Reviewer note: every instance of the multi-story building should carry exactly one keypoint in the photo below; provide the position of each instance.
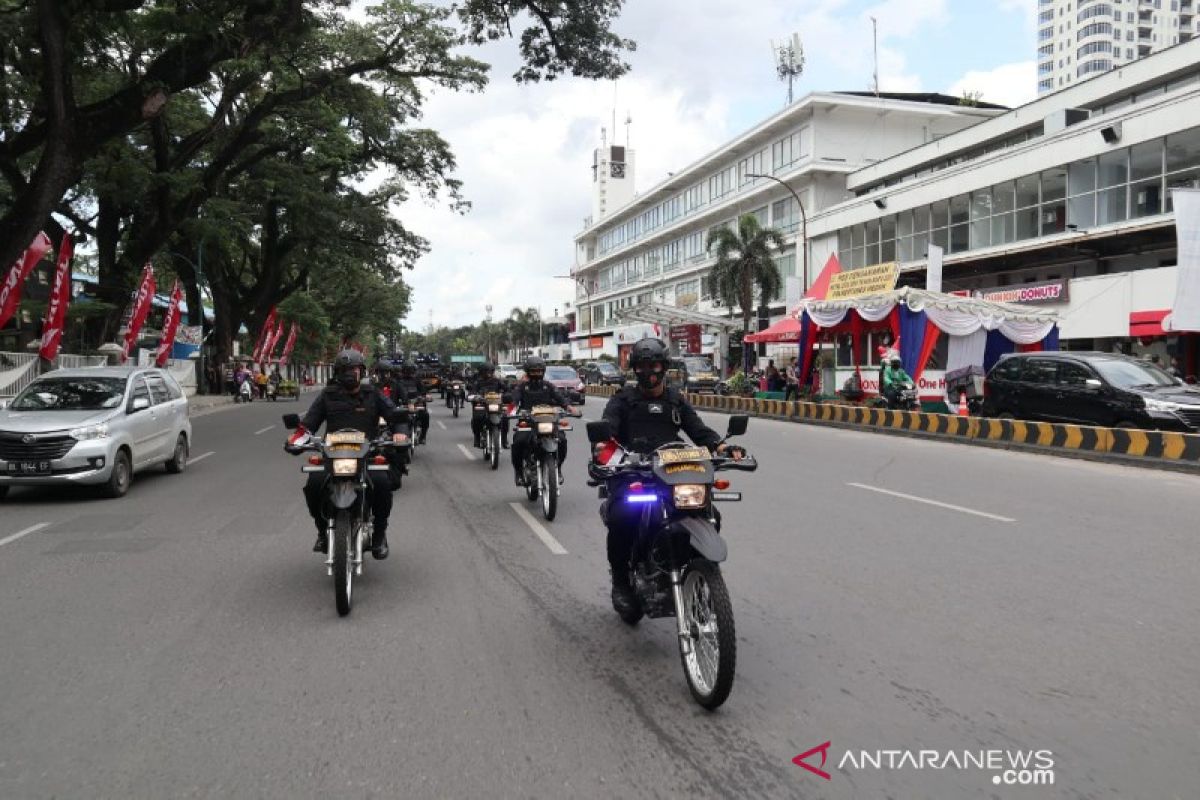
(1065, 201)
(651, 252)
(1078, 39)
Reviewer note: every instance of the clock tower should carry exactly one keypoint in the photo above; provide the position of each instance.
(612, 179)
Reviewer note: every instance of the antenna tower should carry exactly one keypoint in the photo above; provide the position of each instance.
(789, 61)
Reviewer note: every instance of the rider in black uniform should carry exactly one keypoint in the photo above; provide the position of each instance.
(486, 382)
(350, 404)
(643, 418)
(535, 391)
(407, 388)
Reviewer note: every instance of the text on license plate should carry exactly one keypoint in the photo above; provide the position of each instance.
(30, 467)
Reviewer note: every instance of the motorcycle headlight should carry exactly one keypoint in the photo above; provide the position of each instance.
(545, 427)
(345, 466)
(689, 495)
(89, 432)
(1160, 405)
(493, 407)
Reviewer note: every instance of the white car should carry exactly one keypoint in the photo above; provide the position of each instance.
(93, 426)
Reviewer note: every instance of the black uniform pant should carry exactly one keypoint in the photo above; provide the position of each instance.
(479, 423)
(381, 499)
(523, 440)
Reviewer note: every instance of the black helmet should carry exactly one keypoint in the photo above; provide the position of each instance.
(383, 365)
(485, 367)
(344, 368)
(408, 368)
(534, 364)
(642, 359)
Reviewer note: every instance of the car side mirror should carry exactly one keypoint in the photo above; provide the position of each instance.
(291, 421)
(139, 404)
(737, 425)
(1093, 384)
(599, 431)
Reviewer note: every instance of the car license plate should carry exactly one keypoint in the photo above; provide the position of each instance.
(30, 467)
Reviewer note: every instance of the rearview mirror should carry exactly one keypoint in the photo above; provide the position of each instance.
(737, 425)
(139, 404)
(291, 421)
(599, 431)
(1093, 384)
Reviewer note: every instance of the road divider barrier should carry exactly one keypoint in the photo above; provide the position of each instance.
(1128, 444)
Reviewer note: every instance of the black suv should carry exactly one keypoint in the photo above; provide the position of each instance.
(1086, 388)
(604, 373)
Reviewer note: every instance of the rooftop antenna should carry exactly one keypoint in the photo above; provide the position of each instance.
(614, 113)
(875, 45)
(603, 137)
(628, 123)
(789, 61)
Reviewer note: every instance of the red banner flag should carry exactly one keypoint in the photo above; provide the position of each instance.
(10, 290)
(264, 334)
(56, 311)
(278, 340)
(138, 311)
(287, 347)
(170, 325)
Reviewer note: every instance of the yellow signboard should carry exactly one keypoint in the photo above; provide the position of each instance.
(859, 282)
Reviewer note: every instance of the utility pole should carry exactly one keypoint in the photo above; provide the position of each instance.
(875, 45)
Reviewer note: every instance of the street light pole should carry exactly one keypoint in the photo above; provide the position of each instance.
(803, 223)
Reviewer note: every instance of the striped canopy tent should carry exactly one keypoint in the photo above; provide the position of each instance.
(979, 331)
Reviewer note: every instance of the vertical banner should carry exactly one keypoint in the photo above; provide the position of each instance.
(60, 294)
(1185, 314)
(10, 289)
(287, 347)
(170, 326)
(263, 334)
(138, 311)
(276, 338)
(933, 271)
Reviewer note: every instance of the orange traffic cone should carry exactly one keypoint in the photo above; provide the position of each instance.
(963, 411)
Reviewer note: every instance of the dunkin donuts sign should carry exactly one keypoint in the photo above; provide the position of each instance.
(1029, 293)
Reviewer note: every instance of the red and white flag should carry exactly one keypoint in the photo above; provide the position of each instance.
(60, 295)
(138, 311)
(170, 326)
(10, 289)
(276, 340)
(291, 343)
(264, 334)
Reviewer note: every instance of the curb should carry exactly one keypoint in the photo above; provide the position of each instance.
(1155, 449)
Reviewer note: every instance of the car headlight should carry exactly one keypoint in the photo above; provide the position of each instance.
(545, 427)
(1160, 405)
(689, 495)
(580, 387)
(691, 379)
(493, 408)
(345, 466)
(89, 432)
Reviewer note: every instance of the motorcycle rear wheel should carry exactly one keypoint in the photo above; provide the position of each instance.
(454, 405)
(343, 562)
(494, 448)
(531, 487)
(708, 615)
(549, 489)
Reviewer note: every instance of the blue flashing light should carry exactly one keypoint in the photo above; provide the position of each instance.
(641, 498)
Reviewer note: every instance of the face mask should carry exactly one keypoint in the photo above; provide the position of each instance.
(348, 379)
(649, 376)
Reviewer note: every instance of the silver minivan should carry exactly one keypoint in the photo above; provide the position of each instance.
(93, 426)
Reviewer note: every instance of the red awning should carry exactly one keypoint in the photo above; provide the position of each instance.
(786, 330)
(1147, 323)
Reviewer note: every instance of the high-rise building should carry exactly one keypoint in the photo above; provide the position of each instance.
(1078, 39)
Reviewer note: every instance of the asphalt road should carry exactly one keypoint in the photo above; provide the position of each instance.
(183, 641)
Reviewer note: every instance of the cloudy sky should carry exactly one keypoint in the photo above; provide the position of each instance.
(702, 74)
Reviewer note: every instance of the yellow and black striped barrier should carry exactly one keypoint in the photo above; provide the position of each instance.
(1180, 449)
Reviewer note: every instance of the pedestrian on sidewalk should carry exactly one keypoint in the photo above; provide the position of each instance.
(792, 392)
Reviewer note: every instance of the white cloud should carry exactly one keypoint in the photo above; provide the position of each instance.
(1008, 84)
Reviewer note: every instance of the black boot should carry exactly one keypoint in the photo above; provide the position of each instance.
(379, 545)
(624, 598)
(322, 543)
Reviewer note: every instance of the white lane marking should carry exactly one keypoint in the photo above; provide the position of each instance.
(203, 456)
(927, 501)
(470, 456)
(264, 430)
(585, 419)
(442, 425)
(26, 532)
(551, 543)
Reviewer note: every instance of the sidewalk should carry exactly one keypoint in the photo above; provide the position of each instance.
(202, 404)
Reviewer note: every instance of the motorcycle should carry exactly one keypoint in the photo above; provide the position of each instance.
(419, 430)
(539, 469)
(902, 397)
(455, 396)
(345, 457)
(272, 390)
(675, 564)
(245, 392)
(488, 407)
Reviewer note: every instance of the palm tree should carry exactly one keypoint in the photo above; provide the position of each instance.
(745, 261)
(523, 327)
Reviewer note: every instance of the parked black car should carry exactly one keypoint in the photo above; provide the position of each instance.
(604, 373)
(1087, 388)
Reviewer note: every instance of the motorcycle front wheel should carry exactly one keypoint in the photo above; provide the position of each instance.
(494, 448)
(531, 480)
(708, 616)
(343, 562)
(549, 488)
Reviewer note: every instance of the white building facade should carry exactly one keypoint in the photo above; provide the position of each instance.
(652, 252)
(1079, 39)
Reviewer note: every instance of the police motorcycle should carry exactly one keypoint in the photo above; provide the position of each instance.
(456, 395)
(415, 406)
(539, 468)
(675, 562)
(488, 407)
(345, 457)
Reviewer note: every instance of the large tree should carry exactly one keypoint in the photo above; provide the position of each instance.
(745, 262)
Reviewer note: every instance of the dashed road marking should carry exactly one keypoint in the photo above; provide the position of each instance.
(203, 456)
(551, 543)
(26, 532)
(264, 430)
(927, 501)
(442, 425)
(470, 456)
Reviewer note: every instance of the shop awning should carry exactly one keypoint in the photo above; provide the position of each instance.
(786, 330)
(1147, 323)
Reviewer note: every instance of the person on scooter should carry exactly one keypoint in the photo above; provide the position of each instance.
(644, 418)
(486, 382)
(535, 391)
(408, 388)
(894, 379)
(354, 405)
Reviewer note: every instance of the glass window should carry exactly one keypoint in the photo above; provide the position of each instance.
(888, 227)
(904, 224)
(158, 389)
(940, 237)
(73, 394)
(1189, 179)
(939, 214)
(1003, 197)
(844, 244)
(1009, 369)
(140, 390)
(1146, 198)
(921, 219)
(1114, 168)
(1072, 374)
(1003, 228)
(1040, 370)
(920, 246)
(1054, 217)
(1081, 177)
(872, 233)
(959, 209)
(844, 351)
(1183, 150)
(1145, 160)
(981, 204)
(1054, 184)
(1081, 210)
(960, 238)
(1027, 223)
(904, 248)
(857, 234)
(887, 251)
(1027, 191)
(1111, 205)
